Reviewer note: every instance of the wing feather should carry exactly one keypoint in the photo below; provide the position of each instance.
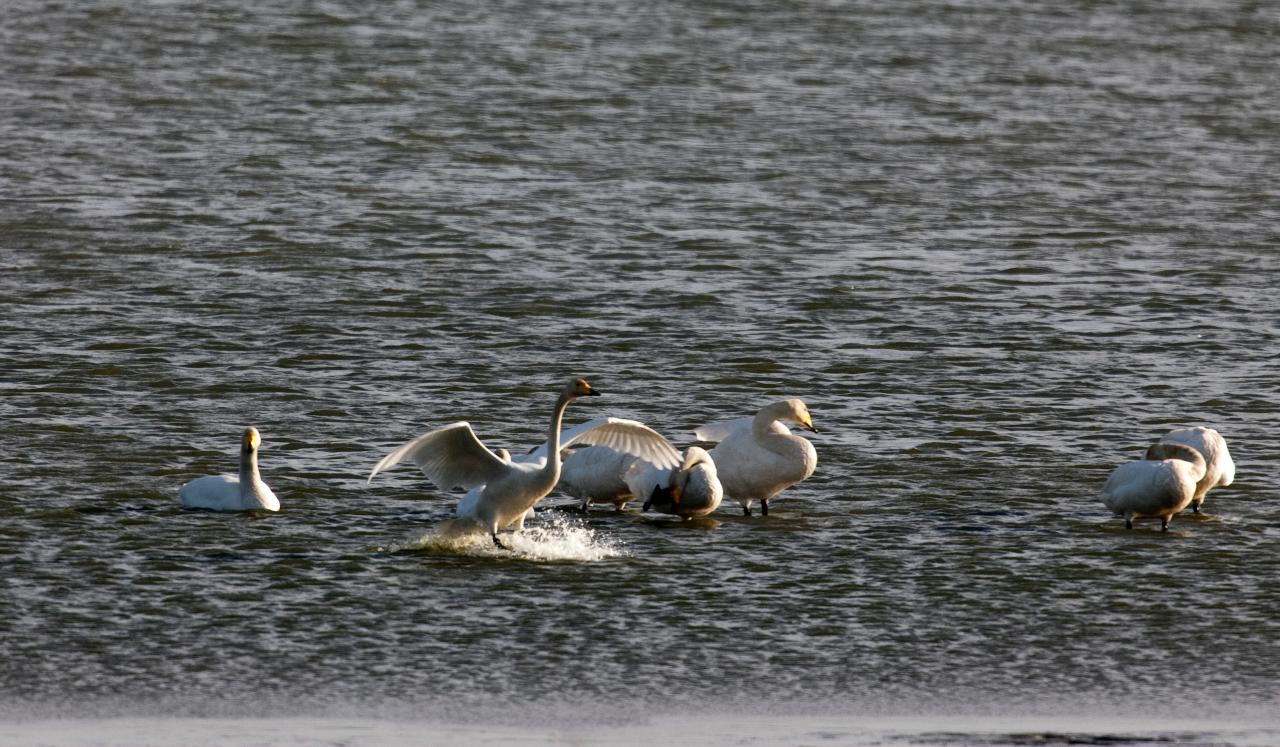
(451, 457)
(720, 430)
(628, 436)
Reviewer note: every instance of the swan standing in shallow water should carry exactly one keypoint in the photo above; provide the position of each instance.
(621, 449)
(759, 457)
(693, 488)
(501, 492)
(1157, 487)
(246, 492)
(1219, 468)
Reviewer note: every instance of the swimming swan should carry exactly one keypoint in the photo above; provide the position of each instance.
(693, 489)
(1219, 469)
(598, 473)
(758, 457)
(501, 493)
(247, 492)
(1159, 486)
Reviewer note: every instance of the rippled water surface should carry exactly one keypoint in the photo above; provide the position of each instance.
(996, 247)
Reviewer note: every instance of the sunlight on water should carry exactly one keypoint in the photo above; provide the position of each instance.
(549, 538)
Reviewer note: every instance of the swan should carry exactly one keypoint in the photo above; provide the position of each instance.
(612, 449)
(247, 492)
(693, 488)
(1158, 486)
(758, 457)
(501, 492)
(1219, 469)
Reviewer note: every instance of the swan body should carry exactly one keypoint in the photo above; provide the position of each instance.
(501, 492)
(1220, 470)
(1158, 486)
(610, 449)
(693, 489)
(243, 492)
(594, 474)
(759, 457)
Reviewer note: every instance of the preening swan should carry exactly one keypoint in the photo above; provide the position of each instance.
(246, 492)
(1157, 487)
(599, 473)
(1219, 469)
(501, 492)
(758, 457)
(693, 488)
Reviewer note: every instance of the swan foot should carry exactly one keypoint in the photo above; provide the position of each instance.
(1195, 508)
(764, 508)
(498, 542)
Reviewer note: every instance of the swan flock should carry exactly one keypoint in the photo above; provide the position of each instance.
(617, 461)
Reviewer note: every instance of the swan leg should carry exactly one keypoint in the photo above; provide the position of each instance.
(1195, 507)
(746, 510)
(497, 541)
(764, 506)
(1128, 521)
(1164, 523)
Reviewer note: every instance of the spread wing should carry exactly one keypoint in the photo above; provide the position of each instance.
(451, 457)
(628, 436)
(719, 431)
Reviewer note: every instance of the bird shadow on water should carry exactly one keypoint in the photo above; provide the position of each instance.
(704, 523)
(1141, 530)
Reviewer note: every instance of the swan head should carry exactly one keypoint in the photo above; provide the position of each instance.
(693, 457)
(250, 441)
(798, 413)
(579, 388)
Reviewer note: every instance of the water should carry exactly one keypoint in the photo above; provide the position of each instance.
(996, 247)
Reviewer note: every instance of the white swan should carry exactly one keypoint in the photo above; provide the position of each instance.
(758, 457)
(693, 488)
(598, 473)
(246, 492)
(1219, 468)
(1157, 487)
(501, 492)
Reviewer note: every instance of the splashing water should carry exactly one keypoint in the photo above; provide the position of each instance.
(552, 537)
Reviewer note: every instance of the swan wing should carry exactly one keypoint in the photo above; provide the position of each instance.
(451, 457)
(720, 430)
(627, 436)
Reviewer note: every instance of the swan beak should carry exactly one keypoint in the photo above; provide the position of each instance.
(809, 426)
(251, 439)
(593, 393)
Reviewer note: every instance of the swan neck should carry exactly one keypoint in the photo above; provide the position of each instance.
(762, 423)
(249, 475)
(553, 436)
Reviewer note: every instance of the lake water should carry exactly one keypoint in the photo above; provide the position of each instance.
(998, 248)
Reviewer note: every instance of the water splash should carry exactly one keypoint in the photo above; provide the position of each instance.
(549, 538)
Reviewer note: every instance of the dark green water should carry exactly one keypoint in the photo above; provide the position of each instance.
(997, 248)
